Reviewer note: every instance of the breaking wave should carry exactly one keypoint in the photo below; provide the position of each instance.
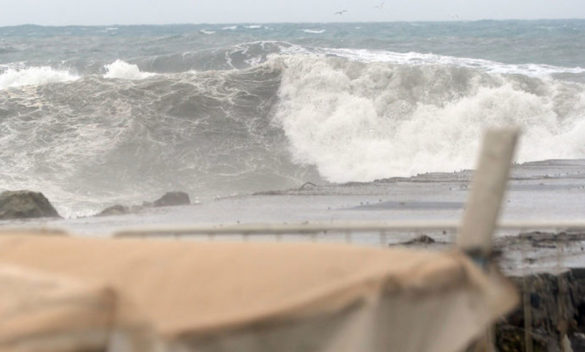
(123, 70)
(268, 115)
(33, 76)
(314, 31)
(418, 59)
(358, 121)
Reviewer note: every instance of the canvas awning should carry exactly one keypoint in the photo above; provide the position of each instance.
(73, 294)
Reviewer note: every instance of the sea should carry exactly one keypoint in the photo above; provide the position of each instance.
(98, 115)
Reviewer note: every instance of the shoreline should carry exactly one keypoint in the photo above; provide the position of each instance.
(551, 190)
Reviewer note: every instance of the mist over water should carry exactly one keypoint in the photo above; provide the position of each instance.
(123, 114)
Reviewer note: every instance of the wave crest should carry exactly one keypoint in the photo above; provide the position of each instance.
(33, 76)
(123, 70)
(416, 58)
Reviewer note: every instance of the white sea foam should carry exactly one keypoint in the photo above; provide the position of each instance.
(230, 28)
(206, 31)
(414, 58)
(123, 70)
(361, 122)
(254, 26)
(314, 31)
(33, 76)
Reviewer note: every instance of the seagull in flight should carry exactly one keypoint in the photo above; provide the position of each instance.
(340, 12)
(380, 5)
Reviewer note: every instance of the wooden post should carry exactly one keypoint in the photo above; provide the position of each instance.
(483, 206)
(487, 192)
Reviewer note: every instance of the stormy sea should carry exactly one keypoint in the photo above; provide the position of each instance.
(94, 116)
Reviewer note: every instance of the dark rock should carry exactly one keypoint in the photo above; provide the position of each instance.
(307, 185)
(270, 193)
(578, 342)
(423, 242)
(172, 198)
(512, 338)
(114, 210)
(552, 306)
(25, 204)
(422, 239)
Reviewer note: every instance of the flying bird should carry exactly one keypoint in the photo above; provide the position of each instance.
(340, 12)
(380, 5)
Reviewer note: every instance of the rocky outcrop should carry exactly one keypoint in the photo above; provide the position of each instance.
(551, 313)
(420, 240)
(117, 209)
(168, 199)
(172, 199)
(25, 204)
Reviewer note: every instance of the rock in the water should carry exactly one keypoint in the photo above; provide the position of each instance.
(307, 185)
(172, 198)
(114, 210)
(25, 204)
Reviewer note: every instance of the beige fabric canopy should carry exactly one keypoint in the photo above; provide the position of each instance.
(62, 293)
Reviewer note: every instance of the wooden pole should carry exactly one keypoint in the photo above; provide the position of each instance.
(487, 192)
(475, 236)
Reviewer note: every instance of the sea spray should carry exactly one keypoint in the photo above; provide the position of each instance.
(365, 121)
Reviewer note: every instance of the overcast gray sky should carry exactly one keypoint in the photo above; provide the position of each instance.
(96, 12)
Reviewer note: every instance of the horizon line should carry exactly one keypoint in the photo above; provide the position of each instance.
(281, 23)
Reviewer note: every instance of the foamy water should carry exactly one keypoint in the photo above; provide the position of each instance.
(33, 76)
(124, 70)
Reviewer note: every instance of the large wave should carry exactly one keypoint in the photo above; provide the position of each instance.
(96, 141)
(358, 121)
(274, 116)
